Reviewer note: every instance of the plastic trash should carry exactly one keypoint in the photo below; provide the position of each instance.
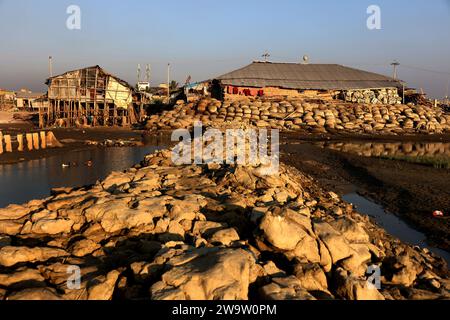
(438, 214)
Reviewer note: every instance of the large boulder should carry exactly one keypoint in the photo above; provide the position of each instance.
(10, 227)
(10, 256)
(209, 274)
(103, 286)
(289, 288)
(38, 294)
(52, 227)
(14, 212)
(352, 288)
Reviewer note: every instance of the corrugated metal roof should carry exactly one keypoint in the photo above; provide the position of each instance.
(29, 95)
(306, 76)
(123, 82)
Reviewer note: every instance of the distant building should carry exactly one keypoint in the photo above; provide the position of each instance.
(307, 80)
(7, 99)
(28, 100)
(90, 96)
(143, 86)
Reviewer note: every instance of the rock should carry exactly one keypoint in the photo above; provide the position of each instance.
(116, 215)
(22, 279)
(288, 231)
(116, 179)
(351, 230)
(52, 227)
(10, 227)
(5, 241)
(215, 275)
(144, 272)
(357, 262)
(225, 236)
(84, 247)
(9, 256)
(311, 277)
(38, 294)
(14, 212)
(207, 228)
(183, 210)
(351, 288)
(272, 270)
(103, 286)
(405, 270)
(335, 242)
(288, 288)
(281, 231)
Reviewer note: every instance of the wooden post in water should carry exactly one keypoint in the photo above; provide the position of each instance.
(8, 144)
(36, 141)
(43, 140)
(1, 142)
(20, 141)
(29, 137)
(41, 118)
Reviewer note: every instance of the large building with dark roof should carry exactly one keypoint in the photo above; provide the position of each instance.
(267, 79)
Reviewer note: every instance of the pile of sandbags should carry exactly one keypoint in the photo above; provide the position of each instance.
(381, 96)
(296, 114)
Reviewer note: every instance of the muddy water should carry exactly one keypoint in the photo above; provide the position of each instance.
(34, 179)
(392, 224)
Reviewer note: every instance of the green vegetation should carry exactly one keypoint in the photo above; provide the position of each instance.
(437, 162)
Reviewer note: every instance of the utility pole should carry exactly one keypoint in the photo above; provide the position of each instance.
(50, 67)
(168, 81)
(395, 64)
(138, 73)
(266, 56)
(147, 72)
(446, 92)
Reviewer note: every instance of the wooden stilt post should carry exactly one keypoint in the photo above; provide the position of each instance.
(36, 141)
(1, 142)
(8, 144)
(43, 140)
(115, 115)
(20, 142)
(41, 119)
(29, 137)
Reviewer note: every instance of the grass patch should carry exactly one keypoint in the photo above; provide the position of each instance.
(436, 162)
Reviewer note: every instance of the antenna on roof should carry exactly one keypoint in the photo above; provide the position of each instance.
(138, 73)
(395, 64)
(266, 56)
(305, 59)
(147, 73)
(50, 66)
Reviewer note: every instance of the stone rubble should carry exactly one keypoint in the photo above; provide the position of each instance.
(159, 231)
(291, 114)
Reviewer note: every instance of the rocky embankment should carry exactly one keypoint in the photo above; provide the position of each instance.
(158, 231)
(313, 117)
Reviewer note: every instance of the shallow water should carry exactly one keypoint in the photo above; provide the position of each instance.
(34, 179)
(393, 224)
(392, 149)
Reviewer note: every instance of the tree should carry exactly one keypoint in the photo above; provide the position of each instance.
(173, 85)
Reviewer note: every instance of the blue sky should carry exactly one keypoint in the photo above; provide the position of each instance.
(208, 38)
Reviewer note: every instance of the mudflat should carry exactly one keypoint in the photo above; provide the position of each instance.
(411, 191)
